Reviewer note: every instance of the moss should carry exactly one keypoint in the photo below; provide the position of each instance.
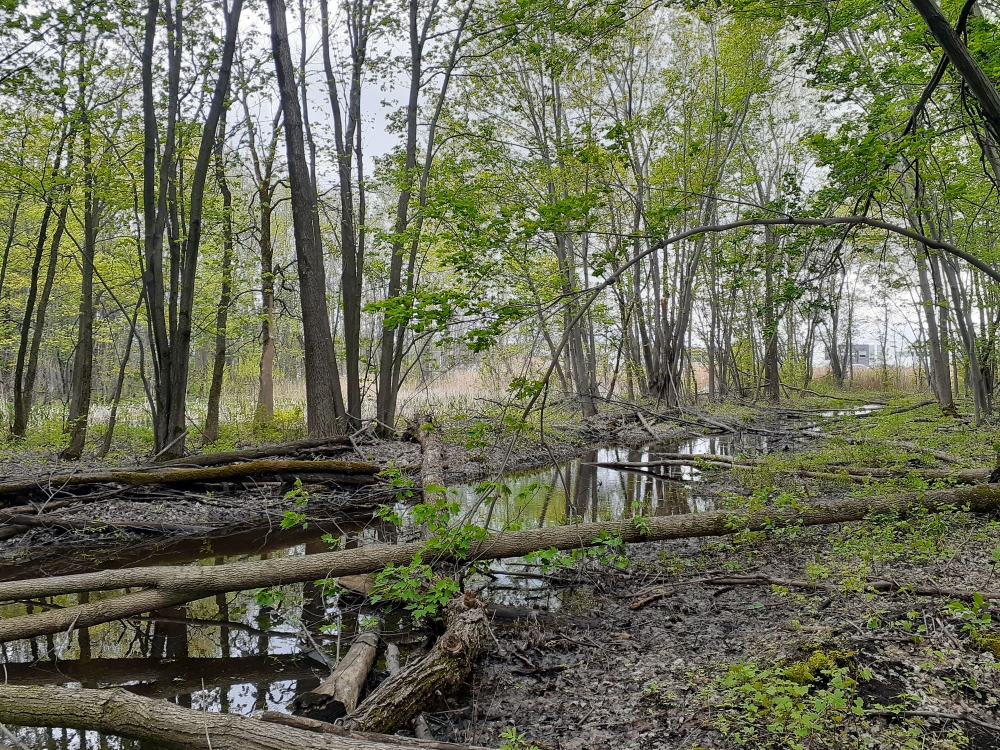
(987, 642)
(814, 668)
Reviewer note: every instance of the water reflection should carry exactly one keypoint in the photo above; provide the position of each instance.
(579, 490)
(242, 653)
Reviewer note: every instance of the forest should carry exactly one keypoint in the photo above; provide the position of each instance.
(514, 374)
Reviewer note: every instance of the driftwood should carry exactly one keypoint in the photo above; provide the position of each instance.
(166, 724)
(339, 694)
(285, 449)
(325, 727)
(444, 668)
(341, 472)
(170, 586)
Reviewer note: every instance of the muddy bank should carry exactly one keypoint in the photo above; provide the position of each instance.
(648, 678)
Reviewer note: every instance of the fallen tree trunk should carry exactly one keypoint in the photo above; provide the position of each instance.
(339, 693)
(432, 459)
(47, 519)
(313, 725)
(229, 457)
(171, 586)
(342, 472)
(948, 458)
(859, 474)
(444, 668)
(647, 596)
(12, 529)
(166, 724)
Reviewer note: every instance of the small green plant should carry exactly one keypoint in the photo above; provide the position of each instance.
(610, 549)
(300, 499)
(514, 740)
(416, 586)
(794, 706)
(552, 560)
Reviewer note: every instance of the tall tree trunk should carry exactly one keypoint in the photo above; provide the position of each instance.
(38, 332)
(320, 363)
(109, 433)
(155, 189)
(83, 362)
(772, 373)
(211, 432)
(22, 394)
(181, 344)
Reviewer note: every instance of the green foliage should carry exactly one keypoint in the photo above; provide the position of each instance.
(807, 704)
(300, 498)
(514, 740)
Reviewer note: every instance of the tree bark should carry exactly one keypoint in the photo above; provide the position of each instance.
(340, 693)
(168, 725)
(320, 362)
(211, 432)
(419, 685)
(172, 586)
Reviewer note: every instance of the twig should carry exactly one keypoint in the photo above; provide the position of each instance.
(170, 445)
(944, 715)
(12, 738)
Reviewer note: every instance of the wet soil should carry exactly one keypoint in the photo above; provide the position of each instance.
(588, 671)
(641, 678)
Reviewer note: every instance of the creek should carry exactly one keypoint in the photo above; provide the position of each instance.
(248, 652)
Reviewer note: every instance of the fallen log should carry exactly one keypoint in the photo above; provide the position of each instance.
(230, 457)
(171, 586)
(11, 529)
(879, 586)
(166, 724)
(341, 472)
(314, 725)
(164, 677)
(858, 474)
(49, 520)
(432, 460)
(395, 703)
(948, 458)
(339, 694)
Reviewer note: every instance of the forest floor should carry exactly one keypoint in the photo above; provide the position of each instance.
(647, 653)
(714, 666)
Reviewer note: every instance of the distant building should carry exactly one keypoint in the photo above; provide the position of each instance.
(862, 354)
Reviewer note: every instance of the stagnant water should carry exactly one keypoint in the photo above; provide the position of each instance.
(243, 653)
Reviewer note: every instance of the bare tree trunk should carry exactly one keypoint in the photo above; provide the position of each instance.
(211, 432)
(83, 363)
(23, 394)
(109, 433)
(22, 406)
(320, 361)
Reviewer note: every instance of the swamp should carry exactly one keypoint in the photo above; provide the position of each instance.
(499, 374)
